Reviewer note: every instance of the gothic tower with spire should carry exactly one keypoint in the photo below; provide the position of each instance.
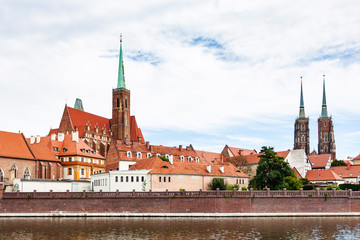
(302, 132)
(326, 130)
(121, 105)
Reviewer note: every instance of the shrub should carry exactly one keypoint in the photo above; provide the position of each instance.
(243, 189)
(217, 183)
(232, 187)
(308, 187)
(330, 187)
(354, 187)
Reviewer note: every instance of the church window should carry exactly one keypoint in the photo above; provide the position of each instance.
(302, 127)
(324, 124)
(1, 175)
(302, 139)
(14, 170)
(125, 102)
(128, 154)
(117, 102)
(27, 173)
(326, 137)
(138, 155)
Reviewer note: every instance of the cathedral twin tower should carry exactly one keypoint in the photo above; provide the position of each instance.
(326, 139)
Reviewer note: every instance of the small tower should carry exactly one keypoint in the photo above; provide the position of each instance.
(326, 129)
(302, 132)
(121, 105)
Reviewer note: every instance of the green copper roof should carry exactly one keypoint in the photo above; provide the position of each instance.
(78, 104)
(324, 113)
(302, 108)
(121, 77)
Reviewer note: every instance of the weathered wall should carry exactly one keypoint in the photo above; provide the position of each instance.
(182, 205)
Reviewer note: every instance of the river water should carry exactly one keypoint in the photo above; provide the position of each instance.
(181, 228)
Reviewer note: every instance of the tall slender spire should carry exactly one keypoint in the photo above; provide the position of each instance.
(324, 113)
(121, 76)
(302, 108)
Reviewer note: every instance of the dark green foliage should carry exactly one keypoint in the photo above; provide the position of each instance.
(271, 171)
(232, 187)
(338, 163)
(304, 181)
(162, 158)
(308, 187)
(291, 183)
(354, 187)
(217, 183)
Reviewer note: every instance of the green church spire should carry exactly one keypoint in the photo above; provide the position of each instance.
(324, 113)
(121, 77)
(302, 108)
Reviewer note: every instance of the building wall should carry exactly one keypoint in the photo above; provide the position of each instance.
(47, 185)
(21, 164)
(302, 135)
(299, 160)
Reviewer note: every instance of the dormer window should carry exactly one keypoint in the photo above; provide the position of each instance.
(182, 158)
(164, 167)
(138, 155)
(93, 152)
(56, 149)
(65, 149)
(189, 159)
(88, 151)
(82, 150)
(158, 154)
(196, 159)
(167, 156)
(128, 154)
(351, 174)
(148, 155)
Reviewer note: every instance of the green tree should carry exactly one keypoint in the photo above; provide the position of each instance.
(338, 163)
(291, 183)
(271, 170)
(217, 183)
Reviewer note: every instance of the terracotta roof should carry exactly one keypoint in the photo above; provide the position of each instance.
(357, 158)
(135, 132)
(255, 158)
(186, 151)
(319, 161)
(322, 175)
(296, 172)
(43, 150)
(80, 118)
(351, 171)
(52, 131)
(159, 166)
(209, 157)
(13, 145)
(241, 151)
(74, 148)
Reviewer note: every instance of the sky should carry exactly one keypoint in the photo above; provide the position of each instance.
(206, 73)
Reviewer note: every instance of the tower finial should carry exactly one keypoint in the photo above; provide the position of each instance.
(121, 76)
(324, 113)
(302, 108)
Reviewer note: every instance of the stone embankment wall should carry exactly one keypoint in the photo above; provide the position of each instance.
(314, 201)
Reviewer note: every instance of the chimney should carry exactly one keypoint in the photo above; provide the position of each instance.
(152, 148)
(38, 138)
(147, 145)
(171, 159)
(32, 139)
(208, 168)
(222, 169)
(75, 136)
(180, 148)
(53, 136)
(61, 137)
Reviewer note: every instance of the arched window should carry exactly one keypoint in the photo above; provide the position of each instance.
(128, 154)
(27, 173)
(1, 175)
(14, 170)
(148, 155)
(138, 155)
(302, 127)
(125, 102)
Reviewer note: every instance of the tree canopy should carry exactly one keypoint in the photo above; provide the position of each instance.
(338, 163)
(273, 172)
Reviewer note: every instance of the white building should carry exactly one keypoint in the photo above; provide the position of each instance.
(45, 185)
(299, 160)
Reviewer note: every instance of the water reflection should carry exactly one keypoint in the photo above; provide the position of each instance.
(180, 228)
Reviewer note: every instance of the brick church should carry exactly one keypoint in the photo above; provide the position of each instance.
(326, 138)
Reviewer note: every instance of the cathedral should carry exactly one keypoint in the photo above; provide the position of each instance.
(326, 139)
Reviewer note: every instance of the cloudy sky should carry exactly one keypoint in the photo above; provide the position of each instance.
(208, 73)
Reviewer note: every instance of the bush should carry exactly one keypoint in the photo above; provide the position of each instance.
(217, 183)
(243, 189)
(232, 187)
(291, 183)
(354, 187)
(308, 187)
(330, 187)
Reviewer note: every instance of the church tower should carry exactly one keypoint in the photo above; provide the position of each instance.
(302, 132)
(326, 130)
(121, 105)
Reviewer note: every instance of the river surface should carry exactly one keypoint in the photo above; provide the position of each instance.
(181, 228)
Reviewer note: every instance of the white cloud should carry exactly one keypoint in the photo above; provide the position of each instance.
(51, 54)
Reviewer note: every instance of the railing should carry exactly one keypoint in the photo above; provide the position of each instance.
(184, 194)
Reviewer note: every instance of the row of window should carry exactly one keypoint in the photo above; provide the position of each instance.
(88, 160)
(240, 181)
(129, 179)
(148, 155)
(164, 179)
(100, 182)
(82, 171)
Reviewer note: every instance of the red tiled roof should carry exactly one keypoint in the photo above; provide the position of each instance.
(159, 166)
(351, 171)
(74, 148)
(80, 118)
(357, 158)
(209, 157)
(322, 175)
(319, 161)
(52, 131)
(255, 158)
(241, 151)
(43, 150)
(13, 145)
(175, 151)
(135, 132)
